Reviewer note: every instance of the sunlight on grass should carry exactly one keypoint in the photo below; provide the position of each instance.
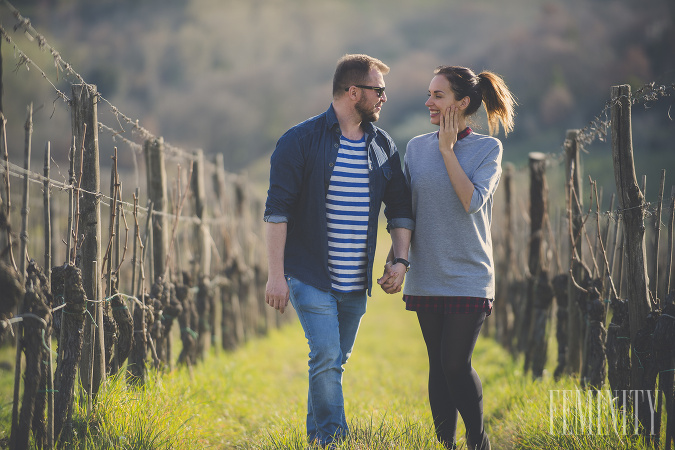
(162, 415)
(255, 398)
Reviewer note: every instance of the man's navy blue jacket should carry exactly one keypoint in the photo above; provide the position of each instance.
(301, 167)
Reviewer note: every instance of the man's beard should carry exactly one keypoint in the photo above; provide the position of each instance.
(368, 114)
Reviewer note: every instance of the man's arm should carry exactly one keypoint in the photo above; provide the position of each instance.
(276, 291)
(400, 242)
(393, 277)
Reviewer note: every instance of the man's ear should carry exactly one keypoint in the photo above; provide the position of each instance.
(352, 92)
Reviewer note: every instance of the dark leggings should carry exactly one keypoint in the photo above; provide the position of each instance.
(453, 384)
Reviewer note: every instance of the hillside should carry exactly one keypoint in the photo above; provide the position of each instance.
(230, 77)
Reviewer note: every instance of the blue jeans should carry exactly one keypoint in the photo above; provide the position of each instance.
(331, 320)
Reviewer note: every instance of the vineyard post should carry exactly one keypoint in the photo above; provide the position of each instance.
(203, 250)
(48, 274)
(22, 277)
(84, 119)
(669, 252)
(8, 196)
(502, 331)
(632, 203)
(24, 208)
(666, 377)
(71, 204)
(657, 235)
(1, 85)
(201, 233)
(604, 271)
(69, 240)
(617, 257)
(108, 256)
(615, 243)
(216, 233)
(243, 233)
(119, 218)
(159, 237)
(539, 294)
(3, 212)
(157, 193)
(231, 325)
(46, 214)
(134, 252)
(573, 173)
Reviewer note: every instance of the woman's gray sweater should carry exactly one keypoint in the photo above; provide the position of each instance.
(451, 250)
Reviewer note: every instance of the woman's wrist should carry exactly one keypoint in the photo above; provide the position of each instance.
(446, 148)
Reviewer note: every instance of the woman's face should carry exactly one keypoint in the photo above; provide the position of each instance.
(441, 97)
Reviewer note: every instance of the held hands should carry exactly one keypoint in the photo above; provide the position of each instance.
(392, 279)
(447, 136)
(276, 293)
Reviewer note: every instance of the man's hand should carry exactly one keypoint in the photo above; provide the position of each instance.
(276, 293)
(392, 279)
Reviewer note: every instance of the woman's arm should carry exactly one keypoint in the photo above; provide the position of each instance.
(447, 138)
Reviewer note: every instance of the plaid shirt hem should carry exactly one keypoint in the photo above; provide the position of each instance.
(448, 305)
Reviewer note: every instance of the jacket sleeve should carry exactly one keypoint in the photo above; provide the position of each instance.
(397, 196)
(286, 172)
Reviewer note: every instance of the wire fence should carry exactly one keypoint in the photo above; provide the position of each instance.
(221, 300)
(597, 130)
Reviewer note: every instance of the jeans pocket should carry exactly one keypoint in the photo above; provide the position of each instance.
(289, 282)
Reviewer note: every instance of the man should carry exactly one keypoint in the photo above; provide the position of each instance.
(329, 176)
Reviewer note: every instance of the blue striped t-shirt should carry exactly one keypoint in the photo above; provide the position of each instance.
(347, 205)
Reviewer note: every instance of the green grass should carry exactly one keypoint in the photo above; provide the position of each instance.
(255, 398)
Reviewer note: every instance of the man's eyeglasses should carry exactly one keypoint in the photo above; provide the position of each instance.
(378, 90)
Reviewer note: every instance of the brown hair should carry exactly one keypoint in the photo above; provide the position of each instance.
(487, 88)
(355, 69)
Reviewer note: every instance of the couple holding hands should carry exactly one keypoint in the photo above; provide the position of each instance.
(330, 175)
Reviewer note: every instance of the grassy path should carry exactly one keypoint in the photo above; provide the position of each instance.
(255, 398)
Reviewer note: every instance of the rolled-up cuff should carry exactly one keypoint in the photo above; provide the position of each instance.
(401, 223)
(272, 218)
(476, 202)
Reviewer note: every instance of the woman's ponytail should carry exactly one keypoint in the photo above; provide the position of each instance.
(498, 100)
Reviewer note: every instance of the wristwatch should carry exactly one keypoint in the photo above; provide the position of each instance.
(402, 261)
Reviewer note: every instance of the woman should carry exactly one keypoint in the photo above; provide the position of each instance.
(453, 174)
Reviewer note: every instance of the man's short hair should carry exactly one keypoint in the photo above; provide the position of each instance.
(355, 69)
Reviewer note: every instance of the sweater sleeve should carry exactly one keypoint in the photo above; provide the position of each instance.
(486, 178)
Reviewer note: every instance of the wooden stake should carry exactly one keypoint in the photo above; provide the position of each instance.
(22, 274)
(633, 205)
(669, 259)
(573, 177)
(136, 240)
(48, 274)
(8, 196)
(157, 192)
(84, 112)
(654, 280)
